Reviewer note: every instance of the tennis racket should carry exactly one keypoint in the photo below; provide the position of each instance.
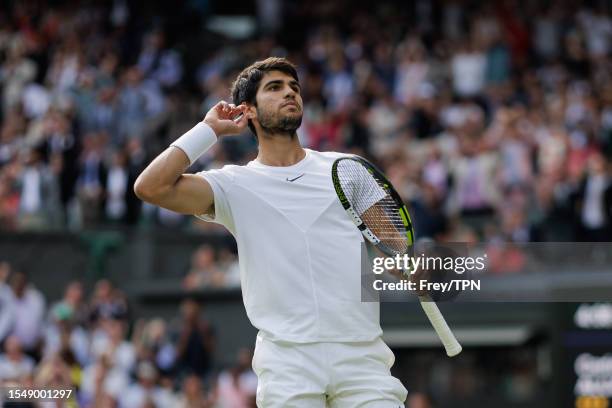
(378, 211)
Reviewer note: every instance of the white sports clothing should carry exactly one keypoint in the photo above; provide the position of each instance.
(300, 260)
(196, 141)
(318, 375)
(300, 254)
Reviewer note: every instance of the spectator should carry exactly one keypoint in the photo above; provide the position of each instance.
(145, 390)
(204, 271)
(62, 335)
(135, 164)
(158, 63)
(418, 400)
(104, 114)
(92, 182)
(109, 341)
(14, 364)
(54, 373)
(228, 262)
(7, 313)
(473, 192)
(66, 326)
(107, 302)
(338, 84)
(40, 200)
(132, 105)
(72, 306)
(16, 71)
(29, 309)
(468, 68)
(412, 71)
(9, 203)
(547, 33)
(195, 346)
(117, 187)
(102, 384)
(152, 343)
(193, 395)
(427, 214)
(597, 26)
(237, 386)
(61, 142)
(593, 202)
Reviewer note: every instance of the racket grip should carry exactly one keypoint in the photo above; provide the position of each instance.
(439, 324)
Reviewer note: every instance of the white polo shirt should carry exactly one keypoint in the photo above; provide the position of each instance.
(299, 252)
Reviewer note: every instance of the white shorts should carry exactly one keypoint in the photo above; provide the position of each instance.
(317, 375)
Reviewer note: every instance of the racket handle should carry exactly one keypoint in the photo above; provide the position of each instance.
(439, 324)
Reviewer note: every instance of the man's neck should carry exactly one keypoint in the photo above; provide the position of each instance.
(280, 150)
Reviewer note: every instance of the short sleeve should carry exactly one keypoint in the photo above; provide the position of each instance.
(221, 182)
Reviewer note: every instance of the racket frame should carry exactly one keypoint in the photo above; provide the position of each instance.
(445, 334)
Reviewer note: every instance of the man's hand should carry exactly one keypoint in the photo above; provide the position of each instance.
(222, 118)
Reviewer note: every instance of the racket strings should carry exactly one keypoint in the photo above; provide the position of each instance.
(369, 196)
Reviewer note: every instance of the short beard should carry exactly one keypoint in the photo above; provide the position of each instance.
(273, 124)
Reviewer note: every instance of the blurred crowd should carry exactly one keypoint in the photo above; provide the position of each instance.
(89, 344)
(494, 120)
(212, 268)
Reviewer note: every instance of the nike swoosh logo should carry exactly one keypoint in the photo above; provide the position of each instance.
(293, 179)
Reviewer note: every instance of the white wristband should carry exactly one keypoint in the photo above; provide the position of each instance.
(196, 141)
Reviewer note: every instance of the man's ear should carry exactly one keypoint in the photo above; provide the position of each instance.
(251, 112)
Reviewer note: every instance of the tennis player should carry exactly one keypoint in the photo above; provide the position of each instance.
(318, 344)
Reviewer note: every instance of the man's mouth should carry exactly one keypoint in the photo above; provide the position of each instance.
(290, 104)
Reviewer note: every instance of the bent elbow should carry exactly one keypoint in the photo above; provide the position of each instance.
(142, 191)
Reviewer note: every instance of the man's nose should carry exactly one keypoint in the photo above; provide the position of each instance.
(289, 92)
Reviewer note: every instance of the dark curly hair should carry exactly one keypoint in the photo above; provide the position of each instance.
(244, 88)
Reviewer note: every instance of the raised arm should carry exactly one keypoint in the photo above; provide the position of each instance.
(164, 182)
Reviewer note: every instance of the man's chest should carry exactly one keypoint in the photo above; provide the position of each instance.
(300, 197)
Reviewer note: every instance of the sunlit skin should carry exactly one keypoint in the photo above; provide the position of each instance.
(278, 110)
(276, 117)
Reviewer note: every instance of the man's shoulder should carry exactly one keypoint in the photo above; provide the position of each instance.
(228, 172)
